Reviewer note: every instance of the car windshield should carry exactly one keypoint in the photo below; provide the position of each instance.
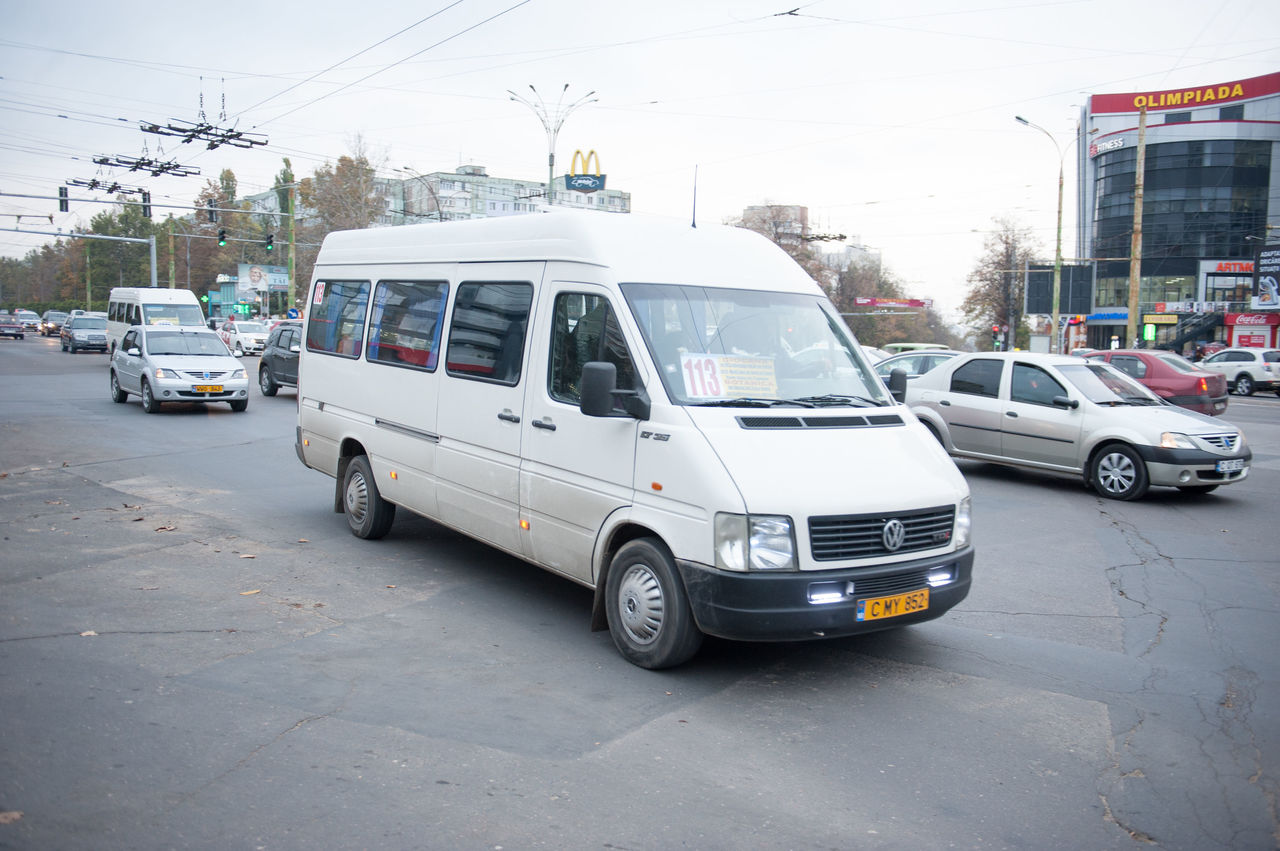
(91, 323)
(185, 343)
(55, 315)
(1105, 385)
(251, 328)
(750, 348)
(172, 314)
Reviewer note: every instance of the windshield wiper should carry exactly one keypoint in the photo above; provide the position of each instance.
(750, 402)
(834, 400)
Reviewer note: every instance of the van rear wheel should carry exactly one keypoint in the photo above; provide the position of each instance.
(368, 515)
(647, 607)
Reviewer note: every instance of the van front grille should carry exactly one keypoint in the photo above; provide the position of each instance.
(848, 536)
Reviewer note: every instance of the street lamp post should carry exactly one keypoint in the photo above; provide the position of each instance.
(1055, 346)
(552, 118)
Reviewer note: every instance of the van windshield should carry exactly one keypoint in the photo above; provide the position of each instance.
(751, 348)
(172, 314)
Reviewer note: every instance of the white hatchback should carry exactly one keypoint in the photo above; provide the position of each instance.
(1246, 369)
(166, 364)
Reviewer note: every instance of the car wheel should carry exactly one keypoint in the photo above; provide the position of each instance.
(647, 608)
(266, 383)
(1118, 473)
(64, 345)
(1244, 385)
(239, 405)
(149, 403)
(239, 350)
(117, 395)
(73, 347)
(368, 514)
(1198, 488)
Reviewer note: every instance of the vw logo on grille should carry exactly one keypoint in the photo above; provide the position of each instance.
(893, 534)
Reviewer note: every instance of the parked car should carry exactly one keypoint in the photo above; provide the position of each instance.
(914, 362)
(51, 322)
(1247, 369)
(176, 364)
(279, 363)
(10, 326)
(1066, 414)
(243, 337)
(1171, 377)
(84, 331)
(29, 318)
(873, 354)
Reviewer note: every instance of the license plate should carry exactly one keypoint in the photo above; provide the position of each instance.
(891, 607)
(208, 388)
(1230, 466)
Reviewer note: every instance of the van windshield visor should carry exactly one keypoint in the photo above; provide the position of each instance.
(178, 343)
(172, 314)
(752, 348)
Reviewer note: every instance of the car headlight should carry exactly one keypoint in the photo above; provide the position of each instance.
(1174, 440)
(964, 523)
(239, 373)
(160, 373)
(754, 542)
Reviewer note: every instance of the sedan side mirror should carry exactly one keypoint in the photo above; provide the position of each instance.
(898, 384)
(1065, 402)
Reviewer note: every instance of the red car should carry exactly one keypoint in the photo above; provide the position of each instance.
(1171, 377)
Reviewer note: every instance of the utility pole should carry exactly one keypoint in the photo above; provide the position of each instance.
(552, 119)
(292, 255)
(1135, 243)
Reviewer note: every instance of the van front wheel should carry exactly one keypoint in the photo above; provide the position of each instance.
(368, 514)
(648, 610)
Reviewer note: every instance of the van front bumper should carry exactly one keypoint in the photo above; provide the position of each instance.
(798, 605)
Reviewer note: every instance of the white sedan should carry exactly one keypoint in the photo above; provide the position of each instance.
(1069, 415)
(165, 364)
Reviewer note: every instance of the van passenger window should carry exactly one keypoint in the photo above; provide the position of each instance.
(978, 377)
(486, 336)
(404, 325)
(585, 328)
(336, 317)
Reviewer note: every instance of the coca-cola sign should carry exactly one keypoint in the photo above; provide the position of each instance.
(1253, 319)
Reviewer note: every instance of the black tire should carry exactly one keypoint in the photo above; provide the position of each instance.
(1198, 489)
(368, 515)
(64, 344)
(73, 347)
(647, 607)
(266, 382)
(239, 405)
(239, 349)
(1117, 472)
(1244, 385)
(149, 403)
(117, 395)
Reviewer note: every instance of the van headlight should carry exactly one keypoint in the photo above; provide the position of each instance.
(754, 542)
(963, 522)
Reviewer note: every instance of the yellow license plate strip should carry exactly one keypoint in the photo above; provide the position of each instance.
(876, 608)
(208, 388)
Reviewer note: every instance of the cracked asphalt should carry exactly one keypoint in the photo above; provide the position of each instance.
(194, 653)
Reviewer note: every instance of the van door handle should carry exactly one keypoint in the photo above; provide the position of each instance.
(507, 416)
(547, 424)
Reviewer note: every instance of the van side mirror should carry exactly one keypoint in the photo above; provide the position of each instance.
(600, 388)
(898, 384)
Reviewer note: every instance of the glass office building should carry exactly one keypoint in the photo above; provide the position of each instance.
(1210, 201)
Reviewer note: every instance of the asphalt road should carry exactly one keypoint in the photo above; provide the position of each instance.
(195, 653)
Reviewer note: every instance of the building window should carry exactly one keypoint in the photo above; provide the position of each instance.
(1177, 118)
(1235, 112)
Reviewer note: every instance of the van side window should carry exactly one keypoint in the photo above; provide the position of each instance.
(486, 335)
(584, 328)
(978, 377)
(404, 325)
(336, 318)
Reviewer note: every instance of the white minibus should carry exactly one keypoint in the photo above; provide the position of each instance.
(128, 306)
(675, 417)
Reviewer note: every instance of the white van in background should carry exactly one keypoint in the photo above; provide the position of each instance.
(675, 417)
(128, 306)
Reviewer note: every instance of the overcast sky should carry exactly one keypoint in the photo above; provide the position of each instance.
(891, 121)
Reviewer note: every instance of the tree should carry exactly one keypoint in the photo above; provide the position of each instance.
(998, 283)
(344, 195)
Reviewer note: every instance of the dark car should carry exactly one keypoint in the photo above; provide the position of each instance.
(84, 331)
(1171, 377)
(51, 322)
(10, 326)
(279, 363)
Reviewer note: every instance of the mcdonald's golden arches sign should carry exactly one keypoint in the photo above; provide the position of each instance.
(586, 181)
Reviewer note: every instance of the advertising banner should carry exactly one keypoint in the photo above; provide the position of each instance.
(1266, 279)
(256, 278)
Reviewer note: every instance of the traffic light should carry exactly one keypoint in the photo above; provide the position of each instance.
(222, 236)
(995, 338)
(63, 206)
(213, 214)
(271, 241)
(146, 204)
